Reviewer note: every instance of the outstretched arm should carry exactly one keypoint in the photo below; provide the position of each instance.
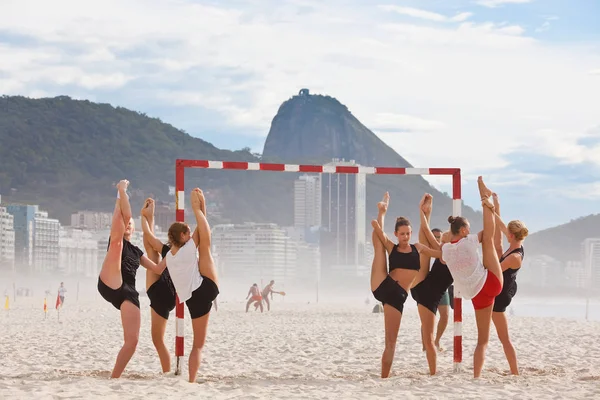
(152, 266)
(435, 253)
(426, 230)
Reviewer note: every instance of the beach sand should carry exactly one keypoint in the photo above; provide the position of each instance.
(297, 351)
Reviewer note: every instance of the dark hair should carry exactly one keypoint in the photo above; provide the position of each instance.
(456, 223)
(434, 230)
(175, 231)
(401, 221)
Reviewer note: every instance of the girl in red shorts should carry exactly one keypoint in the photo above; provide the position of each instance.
(473, 279)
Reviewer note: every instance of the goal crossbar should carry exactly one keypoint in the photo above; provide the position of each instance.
(181, 165)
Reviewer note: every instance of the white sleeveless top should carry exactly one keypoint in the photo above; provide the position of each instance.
(465, 266)
(183, 268)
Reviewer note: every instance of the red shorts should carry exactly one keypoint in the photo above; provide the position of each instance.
(491, 288)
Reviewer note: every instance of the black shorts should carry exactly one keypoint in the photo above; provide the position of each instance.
(505, 297)
(162, 296)
(202, 298)
(430, 291)
(116, 297)
(389, 292)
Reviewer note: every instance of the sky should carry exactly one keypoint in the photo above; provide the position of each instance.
(507, 89)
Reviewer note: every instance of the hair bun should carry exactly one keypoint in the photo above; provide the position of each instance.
(451, 219)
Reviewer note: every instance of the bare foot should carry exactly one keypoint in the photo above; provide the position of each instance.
(483, 190)
(382, 206)
(148, 208)
(426, 204)
(440, 348)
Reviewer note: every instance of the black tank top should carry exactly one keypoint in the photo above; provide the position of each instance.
(401, 260)
(510, 275)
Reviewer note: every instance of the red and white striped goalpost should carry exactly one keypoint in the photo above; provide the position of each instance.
(181, 165)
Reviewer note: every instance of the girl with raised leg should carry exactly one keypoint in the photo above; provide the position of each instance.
(392, 289)
(510, 261)
(116, 283)
(476, 280)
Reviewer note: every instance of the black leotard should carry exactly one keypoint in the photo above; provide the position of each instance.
(429, 292)
(509, 289)
(402, 260)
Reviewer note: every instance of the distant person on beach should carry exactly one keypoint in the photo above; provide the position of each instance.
(61, 293)
(193, 272)
(268, 290)
(510, 261)
(255, 297)
(116, 283)
(391, 289)
(159, 288)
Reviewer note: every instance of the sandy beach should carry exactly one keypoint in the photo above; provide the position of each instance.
(297, 351)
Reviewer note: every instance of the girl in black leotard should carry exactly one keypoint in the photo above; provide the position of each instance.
(116, 283)
(392, 289)
(430, 286)
(510, 261)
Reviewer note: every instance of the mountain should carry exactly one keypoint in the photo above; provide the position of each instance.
(67, 154)
(317, 128)
(563, 242)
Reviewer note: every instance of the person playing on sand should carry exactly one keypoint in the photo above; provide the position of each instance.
(391, 288)
(193, 273)
(510, 261)
(159, 288)
(256, 297)
(116, 282)
(268, 290)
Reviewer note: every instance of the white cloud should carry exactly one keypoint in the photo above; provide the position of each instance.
(427, 15)
(403, 122)
(595, 72)
(498, 3)
(469, 93)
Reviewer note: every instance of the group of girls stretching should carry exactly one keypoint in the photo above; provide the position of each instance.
(489, 282)
(186, 269)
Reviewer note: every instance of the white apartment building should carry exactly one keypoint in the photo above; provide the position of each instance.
(91, 220)
(307, 201)
(78, 253)
(590, 249)
(7, 241)
(45, 242)
(251, 251)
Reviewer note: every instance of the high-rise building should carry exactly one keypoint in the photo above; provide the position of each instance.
(7, 241)
(91, 220)
(46, 232)
(254, 251)
(590, 249)
(343, 215)
(23, 216)
(307, 201)
(78, 253)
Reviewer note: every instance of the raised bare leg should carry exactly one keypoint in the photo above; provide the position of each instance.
(110, 273)
(497, 230)
(379, 266)
(490, 257)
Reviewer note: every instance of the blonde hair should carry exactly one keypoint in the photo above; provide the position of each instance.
(518, 229)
